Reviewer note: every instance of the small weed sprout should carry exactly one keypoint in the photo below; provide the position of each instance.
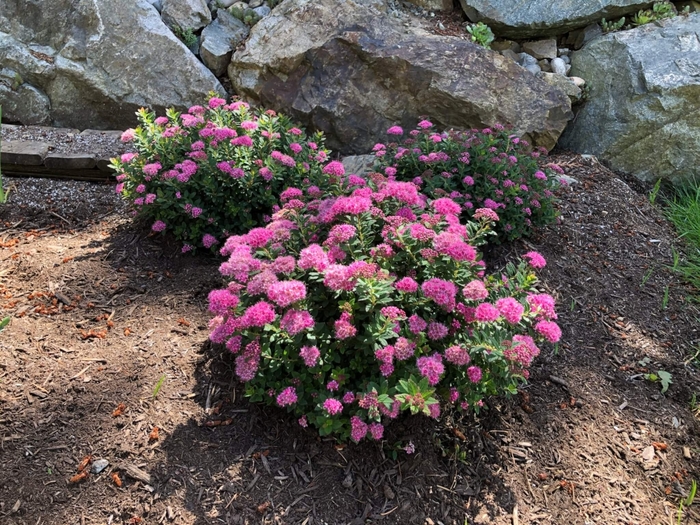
(481, 34)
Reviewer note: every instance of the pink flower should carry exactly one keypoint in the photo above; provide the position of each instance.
(437, 331)
(542, 305)
(249, 125)
(404, 349)
(457, 355)
(486, 312)
(434, 409)
(550, 330)
(446, 206)
(303, 421)
(337, 277)
(348, 398)
(128, 135)
(395, 130)
(474, 373)
(196, 212)
(351, 205)
(343, 327)
(511, 309)
(260, 314)
(406, 285)
(535, 259)
(332, 406)
(358, 429)
(310, 355)
(233, 345)
(209, 240)
(215, 102)
(377, 431)
(334, 168)
(284, 293)
(431, 368)
(332, 385)
(425, 124)
(296, 321)
(161, 121)
(441, 291)
(248, 362)
(416, 324)
(158, 226)
(475, 290)
(314, 257)
(243, 141)
(485, 213)
(390, 172)
(287, 397)
(221, 301)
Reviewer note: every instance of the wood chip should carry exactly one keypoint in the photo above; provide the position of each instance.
(686, 453)
(134, 472)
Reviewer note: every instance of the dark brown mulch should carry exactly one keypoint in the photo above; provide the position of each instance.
(103, 313)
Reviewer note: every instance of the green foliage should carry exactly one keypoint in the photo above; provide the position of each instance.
(158, 386)
(488, 168)
(4, 322)
(659, 11)
(481, 34)
(187, 36)
(214, 171)
(612, 26)
(246, 15)
(683, 210)
(662, 377)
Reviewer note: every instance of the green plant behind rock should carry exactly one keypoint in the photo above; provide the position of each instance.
(659, 11)
(612, 26)
(187, 36)
(481, 34)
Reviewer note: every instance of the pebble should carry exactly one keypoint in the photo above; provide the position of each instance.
(533, 68)
(566, 59)
(99, 465)
(262, 11)
(527, 60)
(558, 66)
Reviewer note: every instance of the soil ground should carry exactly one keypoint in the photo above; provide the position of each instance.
(104, 316)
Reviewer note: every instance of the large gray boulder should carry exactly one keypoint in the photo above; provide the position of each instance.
(347, 68)
(186, 14)
(533, 18)
(93, 64)
(219, 39)
(642, 114)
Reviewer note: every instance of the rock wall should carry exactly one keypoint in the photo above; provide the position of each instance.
(93, 63)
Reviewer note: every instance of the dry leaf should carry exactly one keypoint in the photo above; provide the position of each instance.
(262, 508)
(79, 477)
(153, 436)
(119, 410)
(84, 463)
(115, 478)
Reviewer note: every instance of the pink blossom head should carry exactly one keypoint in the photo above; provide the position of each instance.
(395, 130)
(334, 168)
(535, 259)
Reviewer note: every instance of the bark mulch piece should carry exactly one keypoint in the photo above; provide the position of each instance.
(109, 341)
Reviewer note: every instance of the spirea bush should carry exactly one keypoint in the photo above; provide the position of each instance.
(213, 171)
(477, 169)
(351, 309)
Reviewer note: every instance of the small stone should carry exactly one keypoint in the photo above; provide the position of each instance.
(347, 481)
(566, 59)
(533, 68)
(558, 66)
(225, 4)
(544, 65)
(587, 34)
(509, 53)
(564, 51)
(526, 60)
(99, 465)
(502, 45)
(388, 493)
(255, 3)
(541, 48)
(262, 11)
(686, 453)
(578, 81)
(186, 14)
(70, 161)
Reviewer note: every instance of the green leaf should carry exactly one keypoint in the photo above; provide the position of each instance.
(5, 322)
(665, 378)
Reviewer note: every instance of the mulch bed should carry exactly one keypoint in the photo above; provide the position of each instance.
(104, 314)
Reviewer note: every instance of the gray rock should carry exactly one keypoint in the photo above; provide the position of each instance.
(527, 60)
(186, 14)
(564, 51)
(580, 38)
(544, 65)
(23, 102)
(94, 66)
(566, 84)
(509, 53)
(219, 39)
(70, 161)
(262, 11)
(643, 102)
(434, 5)
(99, 465)
(24, 152)
(578, 81)
(502, 45)
(158, 4)
(533, 68)
(225, 4)
(255, 3)
(541, 48)
(565, 59)
(358, 164)
(558, 66)
(352, 70)
(536, 18)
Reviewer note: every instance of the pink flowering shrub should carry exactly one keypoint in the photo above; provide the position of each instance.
(476, 169)
(348, 310)
(213, 171)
